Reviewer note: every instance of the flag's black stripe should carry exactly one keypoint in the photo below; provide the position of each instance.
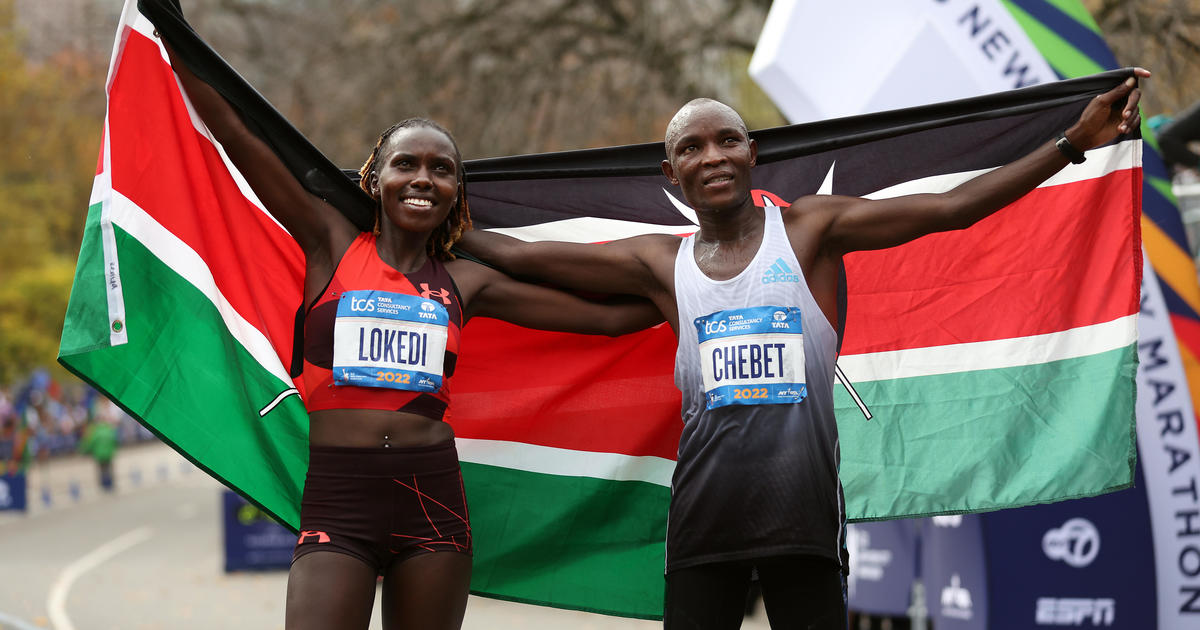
(860, 169)
(781, 143)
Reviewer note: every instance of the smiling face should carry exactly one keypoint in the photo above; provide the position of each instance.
(416, 179)
(709, 156)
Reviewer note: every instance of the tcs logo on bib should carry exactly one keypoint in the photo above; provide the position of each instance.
(362, 305)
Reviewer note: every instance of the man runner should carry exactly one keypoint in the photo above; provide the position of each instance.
(751, 297)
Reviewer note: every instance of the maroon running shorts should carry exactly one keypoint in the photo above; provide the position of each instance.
(383, 505)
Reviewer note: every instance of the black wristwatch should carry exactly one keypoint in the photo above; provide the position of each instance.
(1075, 155)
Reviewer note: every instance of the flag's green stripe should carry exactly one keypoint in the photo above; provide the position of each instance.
(571, 542)
(86, 325)
(990, 439)
(184, 376)
(1066, 59)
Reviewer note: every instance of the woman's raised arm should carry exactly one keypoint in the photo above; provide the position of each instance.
(315, 225)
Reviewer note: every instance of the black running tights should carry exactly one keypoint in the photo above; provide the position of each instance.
(798, 592)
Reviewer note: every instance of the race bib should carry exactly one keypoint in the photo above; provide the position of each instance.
(392, 340)
(752, 356)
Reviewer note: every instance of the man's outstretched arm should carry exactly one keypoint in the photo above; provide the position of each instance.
(854, 224)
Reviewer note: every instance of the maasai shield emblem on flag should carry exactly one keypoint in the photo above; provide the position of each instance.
(998, 361)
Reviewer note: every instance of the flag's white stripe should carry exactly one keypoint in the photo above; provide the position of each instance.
(1018, 352)
(566, 462)
(1100, 162)
(182, 259)
(590, 230)
(991, 355)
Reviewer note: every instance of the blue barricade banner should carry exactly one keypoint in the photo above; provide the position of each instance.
(253, 541)
(954, 573)
(12, 492)
(1084, 563)
(883, 565)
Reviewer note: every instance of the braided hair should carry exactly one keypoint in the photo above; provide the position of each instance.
(457, 221)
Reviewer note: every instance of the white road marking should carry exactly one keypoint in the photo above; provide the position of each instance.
(56, 603)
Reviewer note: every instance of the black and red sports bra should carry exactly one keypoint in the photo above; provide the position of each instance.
(377, 338)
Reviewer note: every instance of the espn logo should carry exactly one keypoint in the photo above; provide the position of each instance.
(1074, 611)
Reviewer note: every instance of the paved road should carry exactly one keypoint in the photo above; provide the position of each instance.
(149, 556)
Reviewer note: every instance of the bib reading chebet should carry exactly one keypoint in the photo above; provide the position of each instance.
(752, 356)
(393, 340)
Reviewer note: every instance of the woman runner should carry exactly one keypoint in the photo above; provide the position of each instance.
(383, 494)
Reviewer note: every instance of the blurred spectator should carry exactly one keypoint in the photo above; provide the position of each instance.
(41, 418)
(100, 441)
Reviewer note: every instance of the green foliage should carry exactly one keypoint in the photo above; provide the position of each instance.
(51, 116)
(32, 302)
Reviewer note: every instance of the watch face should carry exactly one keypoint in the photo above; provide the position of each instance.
(1066, 148)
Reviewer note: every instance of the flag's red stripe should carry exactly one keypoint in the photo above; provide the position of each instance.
(579, 392)
(163, 165)
(1059, 258)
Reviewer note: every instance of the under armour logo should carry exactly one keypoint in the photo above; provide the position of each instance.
(428, 293)
(312, 536)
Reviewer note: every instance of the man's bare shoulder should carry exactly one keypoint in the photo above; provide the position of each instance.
(815, 210)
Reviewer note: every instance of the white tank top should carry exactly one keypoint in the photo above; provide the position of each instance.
(758, 457)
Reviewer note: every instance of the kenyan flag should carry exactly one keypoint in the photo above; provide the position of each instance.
(997, 361)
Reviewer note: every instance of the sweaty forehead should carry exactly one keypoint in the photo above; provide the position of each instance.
(698, 118)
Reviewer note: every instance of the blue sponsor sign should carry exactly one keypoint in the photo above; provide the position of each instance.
(954, 573)
(389, 340)
(13, 492)
(252, 540)
(752, 356)
(1083, 563)
(883, 565)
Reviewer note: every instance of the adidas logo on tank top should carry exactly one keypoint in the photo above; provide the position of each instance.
(779, 272)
